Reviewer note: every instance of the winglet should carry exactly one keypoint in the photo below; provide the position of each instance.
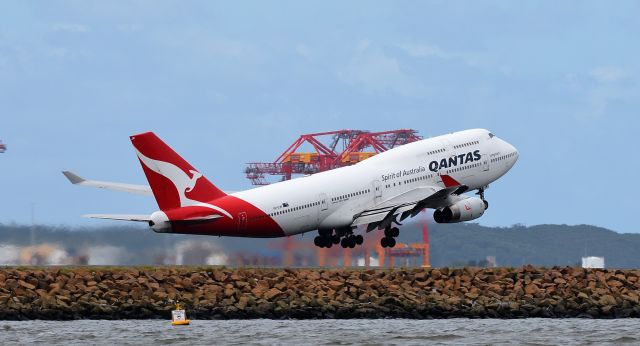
(448, 181)
(74, 179)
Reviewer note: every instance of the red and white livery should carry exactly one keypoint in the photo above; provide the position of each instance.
(378, 192)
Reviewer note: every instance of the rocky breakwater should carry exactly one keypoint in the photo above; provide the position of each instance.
(220, 293)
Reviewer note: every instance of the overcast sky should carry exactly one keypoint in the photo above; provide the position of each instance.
(234, 82)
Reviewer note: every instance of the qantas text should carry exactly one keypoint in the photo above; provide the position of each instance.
(453, 161)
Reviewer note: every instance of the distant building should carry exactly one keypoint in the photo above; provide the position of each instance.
(491, 262)
(593, 262)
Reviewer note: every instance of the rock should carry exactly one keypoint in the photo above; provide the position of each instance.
(160, 295)
(560, 281)
(308, 293)
(272, 293)
(615, 283)
(158, 275)
(26, 285)
(531, 289)
(187, 284)
(583, 295)
(197, 279)
(472, 295)
(335, 285)
(229, 292)
(607, 300)
(219, 276)
(436, 274)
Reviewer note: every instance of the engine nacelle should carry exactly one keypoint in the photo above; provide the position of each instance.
(465, 210)
(159, 222)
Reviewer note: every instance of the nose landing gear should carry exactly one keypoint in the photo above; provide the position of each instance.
(481, 194)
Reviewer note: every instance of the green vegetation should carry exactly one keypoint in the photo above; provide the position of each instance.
(451, 245)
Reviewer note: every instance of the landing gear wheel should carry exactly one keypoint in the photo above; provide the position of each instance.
(344, 243)
(387, 242)
(335, 239)
(359, 239)
(317, 241)
(391, 242)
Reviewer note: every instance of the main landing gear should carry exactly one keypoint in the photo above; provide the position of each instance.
(390, 233)
(343, 236)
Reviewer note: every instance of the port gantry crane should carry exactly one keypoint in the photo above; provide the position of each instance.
(326, 156)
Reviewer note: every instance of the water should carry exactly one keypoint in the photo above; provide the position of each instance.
(325, 332)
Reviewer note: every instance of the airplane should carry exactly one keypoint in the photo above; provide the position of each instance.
(379, 192)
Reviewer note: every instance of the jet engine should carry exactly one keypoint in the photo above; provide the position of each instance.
(159, 222)
(465, 210)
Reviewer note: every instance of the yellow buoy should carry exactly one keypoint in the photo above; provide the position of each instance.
(179, 317)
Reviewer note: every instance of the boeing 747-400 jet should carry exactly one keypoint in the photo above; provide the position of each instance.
(379, 192)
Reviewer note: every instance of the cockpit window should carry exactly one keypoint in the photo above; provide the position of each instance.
(491, 135)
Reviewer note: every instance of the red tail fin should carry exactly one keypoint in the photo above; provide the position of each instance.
(174, 182)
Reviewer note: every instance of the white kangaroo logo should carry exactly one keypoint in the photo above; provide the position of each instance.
(181, 180)
(192, 183)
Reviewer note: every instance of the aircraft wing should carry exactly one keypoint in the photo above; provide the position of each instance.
(123, 217)
(411, 201)
(131, 188)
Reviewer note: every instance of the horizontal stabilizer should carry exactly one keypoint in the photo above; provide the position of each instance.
(122, 217)
(107, 185)
(131, 188)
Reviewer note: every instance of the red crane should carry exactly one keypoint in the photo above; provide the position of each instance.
(331, 150)
(3, 147)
